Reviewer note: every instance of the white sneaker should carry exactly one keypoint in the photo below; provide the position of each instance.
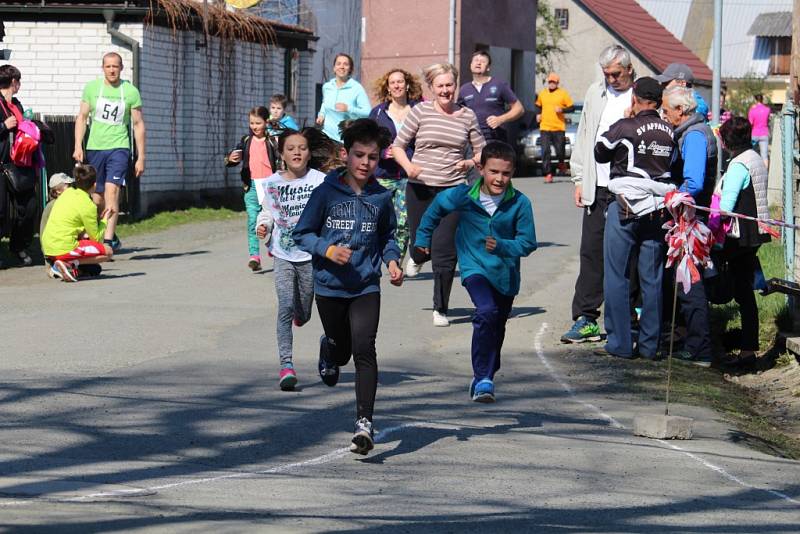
(440, 319)
(412, 268)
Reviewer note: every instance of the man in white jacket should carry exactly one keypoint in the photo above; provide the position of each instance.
(606, 102)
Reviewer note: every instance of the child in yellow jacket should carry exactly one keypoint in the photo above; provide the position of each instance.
(73, 235)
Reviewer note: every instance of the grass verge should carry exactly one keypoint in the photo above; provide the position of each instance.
(168, 219)
(706, 387)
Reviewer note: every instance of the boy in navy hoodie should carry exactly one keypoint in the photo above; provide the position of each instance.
(494, 231)
(348, 227)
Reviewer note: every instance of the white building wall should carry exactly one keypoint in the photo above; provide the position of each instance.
(58, 58)
(195, 98)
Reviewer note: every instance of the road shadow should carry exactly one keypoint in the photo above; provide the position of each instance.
(110, 276)
(168, 255)
(464, 315)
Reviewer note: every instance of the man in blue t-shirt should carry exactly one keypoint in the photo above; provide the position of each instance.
(492, 100)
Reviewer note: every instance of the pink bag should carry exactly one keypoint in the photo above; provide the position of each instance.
(26, 144)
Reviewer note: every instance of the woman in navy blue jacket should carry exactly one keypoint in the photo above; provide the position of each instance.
(398, 91)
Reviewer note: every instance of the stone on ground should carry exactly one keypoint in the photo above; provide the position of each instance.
(663, 426)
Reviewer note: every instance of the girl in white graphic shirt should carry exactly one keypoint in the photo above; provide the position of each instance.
(285, 195)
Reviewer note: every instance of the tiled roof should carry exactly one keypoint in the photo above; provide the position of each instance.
(777, 24)
(645, 35)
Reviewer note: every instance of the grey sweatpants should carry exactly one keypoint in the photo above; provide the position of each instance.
(294, 285)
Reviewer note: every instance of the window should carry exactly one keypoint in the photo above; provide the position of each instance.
(291, 74)
(781, 57)
(562, 17)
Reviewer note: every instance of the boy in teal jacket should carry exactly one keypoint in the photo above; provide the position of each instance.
(495, 230)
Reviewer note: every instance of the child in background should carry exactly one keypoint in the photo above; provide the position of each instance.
(58, 183)
(258, 158)
(277, 113)
(73, 236)
(494, 231)
(286, 194)
(348, 227)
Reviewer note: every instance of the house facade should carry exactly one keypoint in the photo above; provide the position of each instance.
(416, 33)
(756, 38)
(196, 85)
(589, 26)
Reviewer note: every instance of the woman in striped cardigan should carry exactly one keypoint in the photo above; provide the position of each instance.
(441, 130)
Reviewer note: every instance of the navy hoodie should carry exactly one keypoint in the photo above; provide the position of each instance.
(336, 215)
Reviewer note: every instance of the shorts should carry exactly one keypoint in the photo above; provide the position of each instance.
(111, 166)
(86, 249)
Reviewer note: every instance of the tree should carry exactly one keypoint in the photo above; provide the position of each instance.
(740, 97)
(549, 39)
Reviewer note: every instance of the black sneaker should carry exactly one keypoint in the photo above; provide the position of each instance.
(364, 437)
(328, 372)
(89, 271)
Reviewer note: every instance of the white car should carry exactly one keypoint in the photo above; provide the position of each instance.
(529, 144)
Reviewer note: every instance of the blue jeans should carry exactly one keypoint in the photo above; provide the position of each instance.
(488, 325)
(620, 238)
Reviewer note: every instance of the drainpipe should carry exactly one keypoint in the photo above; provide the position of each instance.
(132, 43)
(451, 47)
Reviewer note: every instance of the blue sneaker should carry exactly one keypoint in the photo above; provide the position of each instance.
(583, 330)
(484, 391)
(327, 372)
(116, 244)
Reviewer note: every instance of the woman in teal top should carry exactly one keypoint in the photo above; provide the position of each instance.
(745, 178)
(343, 98)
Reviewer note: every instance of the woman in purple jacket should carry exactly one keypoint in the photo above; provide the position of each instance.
(398, 91)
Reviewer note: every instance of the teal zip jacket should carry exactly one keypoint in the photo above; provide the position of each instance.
(352, 94)
(511, 225)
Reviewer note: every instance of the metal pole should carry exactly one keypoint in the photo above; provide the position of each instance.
(451, 46)
(789, 114)
(715, 83)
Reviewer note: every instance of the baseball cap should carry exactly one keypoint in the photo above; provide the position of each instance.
(553, 77)
(648, 88)
(676, 71)
(60, 178)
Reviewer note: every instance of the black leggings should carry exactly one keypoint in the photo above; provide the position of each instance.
(351, 325)
(443, 243)
(19, 225)
(743, 262)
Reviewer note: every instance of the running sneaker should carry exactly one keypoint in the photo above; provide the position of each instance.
(412, 268)
(24, 258)
(363, 438)
(254, 263)
(583, 330)
(484, 391)
(440, 319)
(328, 372)
(116, 244)
(548, 178)
(65, 272)
(288, 379)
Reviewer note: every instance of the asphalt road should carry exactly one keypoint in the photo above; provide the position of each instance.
(147, 401)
